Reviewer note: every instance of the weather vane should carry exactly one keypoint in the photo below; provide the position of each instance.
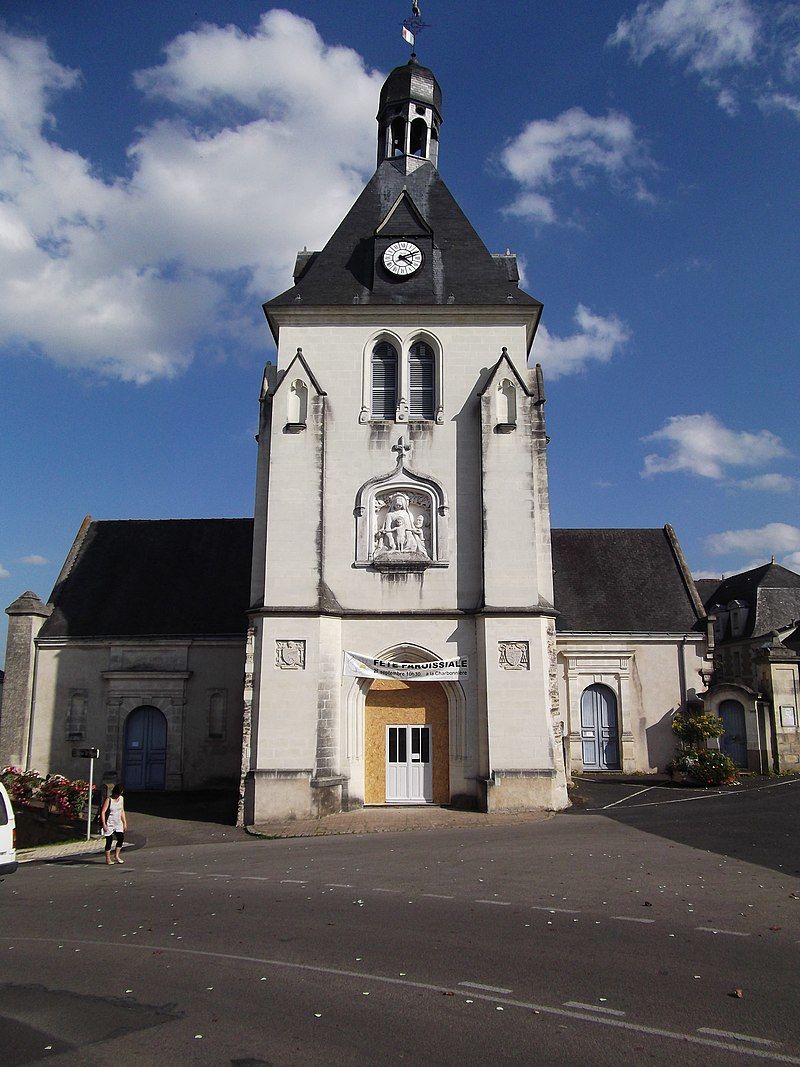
(414, 25)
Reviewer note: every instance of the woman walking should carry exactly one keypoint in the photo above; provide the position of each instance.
(112, 817)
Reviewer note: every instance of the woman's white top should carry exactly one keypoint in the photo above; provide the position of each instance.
(114, 815)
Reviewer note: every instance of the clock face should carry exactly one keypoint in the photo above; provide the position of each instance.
(402, 258)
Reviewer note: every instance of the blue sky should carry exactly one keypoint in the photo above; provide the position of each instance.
(161, 164)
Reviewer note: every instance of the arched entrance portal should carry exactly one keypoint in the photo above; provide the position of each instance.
(145, 761)
(734, 741)
(599, 730)
(406, 743)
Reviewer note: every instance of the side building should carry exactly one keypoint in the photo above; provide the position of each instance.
(139, 651)
(756, 682)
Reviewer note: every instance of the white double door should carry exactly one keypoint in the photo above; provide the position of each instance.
(409, 779)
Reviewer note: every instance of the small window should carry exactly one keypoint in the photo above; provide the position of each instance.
(384, 381)
(216, 715)
(421, 376)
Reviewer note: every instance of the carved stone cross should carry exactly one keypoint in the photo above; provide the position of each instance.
(402, 449)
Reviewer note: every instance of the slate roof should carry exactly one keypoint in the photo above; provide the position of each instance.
(411, 81)
(165, 578)
(771, 593)
(191, 578)
(620, 581)
(463, 268)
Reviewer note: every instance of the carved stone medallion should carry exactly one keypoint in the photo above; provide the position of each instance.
(513, 655)
(290, 655)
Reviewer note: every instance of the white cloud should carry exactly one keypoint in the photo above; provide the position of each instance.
(781, 102)
(708, 35)
(577, 148)
(778, 538)
(3, 572)
(34, 560)
(792, 560)
(701, 445)
(735, 47)
(597, 339)
(769, 483)
(706, 574)
(128, 276)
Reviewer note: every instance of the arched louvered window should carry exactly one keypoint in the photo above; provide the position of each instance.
(421, 379)
(384, 381)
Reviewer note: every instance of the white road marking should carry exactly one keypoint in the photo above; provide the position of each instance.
(338, 885)
(593, 1007)
(630, 796)
(387, 890)
(632, 919)
(544, 1009)
(716, 930)
(293, 881)
(502, 903)
(563, 911)
(246, 877)
(736, 1037)
(226, 876)
(438, 896)
(154, 870)
(486, 988)
(707, 796)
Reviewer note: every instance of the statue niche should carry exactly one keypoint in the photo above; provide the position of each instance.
(401, 519)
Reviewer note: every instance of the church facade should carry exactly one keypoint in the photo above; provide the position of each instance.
(398, 623)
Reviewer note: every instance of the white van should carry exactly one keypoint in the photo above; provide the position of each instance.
(8, 834)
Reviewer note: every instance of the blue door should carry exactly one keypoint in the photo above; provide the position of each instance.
(145, 765)
(734, 741)
(599, 733)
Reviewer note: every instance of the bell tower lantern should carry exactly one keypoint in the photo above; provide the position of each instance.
(409, 116)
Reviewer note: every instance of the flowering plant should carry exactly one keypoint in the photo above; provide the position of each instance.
(707, 766)
(22, 785)
(65, 796)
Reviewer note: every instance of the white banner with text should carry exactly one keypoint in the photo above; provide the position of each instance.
(437, 670)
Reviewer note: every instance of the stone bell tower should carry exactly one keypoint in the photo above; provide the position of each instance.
(402, 517)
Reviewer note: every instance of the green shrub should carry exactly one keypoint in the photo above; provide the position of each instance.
(694, 730)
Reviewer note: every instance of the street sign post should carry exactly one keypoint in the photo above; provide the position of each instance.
(91, 754)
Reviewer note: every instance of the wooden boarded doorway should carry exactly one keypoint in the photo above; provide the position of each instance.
(411, 704)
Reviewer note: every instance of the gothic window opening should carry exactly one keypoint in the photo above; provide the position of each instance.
(384, 381)
(419, 138)
(421, 381)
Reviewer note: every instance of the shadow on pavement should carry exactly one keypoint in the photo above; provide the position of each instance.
(755, 824)
(203, 806)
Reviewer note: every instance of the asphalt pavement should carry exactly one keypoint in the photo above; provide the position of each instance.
(630, 930)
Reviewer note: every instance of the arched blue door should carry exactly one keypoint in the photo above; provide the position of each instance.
(734, 741)
(599, 732)
(145, 764)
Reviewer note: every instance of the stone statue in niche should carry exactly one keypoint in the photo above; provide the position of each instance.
(402, 530)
